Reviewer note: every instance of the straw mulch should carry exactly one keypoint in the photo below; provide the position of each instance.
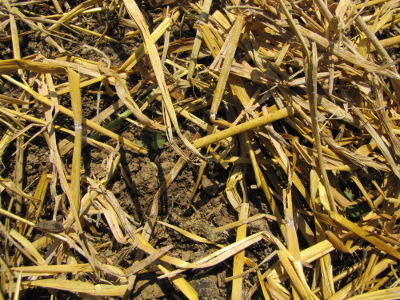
(295, 103)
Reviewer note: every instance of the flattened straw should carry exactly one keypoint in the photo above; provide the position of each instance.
(138, 266)
(223, 254)
(12, 100)
(311, 70)
(75, 93)
(52, 269)
(10, 65)
(149, 249)
(15, 40)
(277, 290)
(231, 45)
(18, 286)
(238, 259)
(19, 169)
(291, 232)
(203, 18)
(230, 191)
(271, 201)
(82, 84)
(307, 255)
(13, 189)
(111, 218)
(366, 276)
(327, 282)
(254, 163)
(363, 191)
(77, 286)
(189, 235)
(291, 237)
(121, 215)
(263, 285)
(211, 38)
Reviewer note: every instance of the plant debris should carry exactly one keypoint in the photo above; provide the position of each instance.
(200, 149)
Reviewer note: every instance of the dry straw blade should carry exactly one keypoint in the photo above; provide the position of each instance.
(238, 259)
(222, 254)
(188, 234)
(77, 286)
(10, 65)
(53, 269)
(74, 79)
(229, 52)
